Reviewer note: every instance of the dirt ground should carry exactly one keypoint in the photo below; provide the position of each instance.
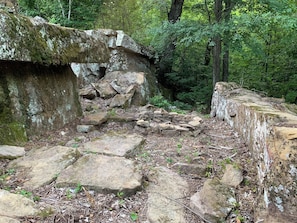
(215, 146)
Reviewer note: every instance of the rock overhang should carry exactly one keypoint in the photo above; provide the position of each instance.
(33, 40)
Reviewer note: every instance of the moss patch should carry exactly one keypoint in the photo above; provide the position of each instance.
(12, 134)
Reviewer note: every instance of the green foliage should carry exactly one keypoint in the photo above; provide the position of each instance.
(80, 14)
(134, 216)
(161, 102)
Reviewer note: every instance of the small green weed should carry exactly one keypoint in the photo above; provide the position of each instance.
(133, 216)
(25, 193)
(111, 112)
(46, 212)
(160, 101)
(78, 188)
(169, 160)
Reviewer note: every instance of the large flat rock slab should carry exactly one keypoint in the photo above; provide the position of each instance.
(101, 173)
(41, 166)
(115, 144)
(169, 187)
(15, 205)
(42, 42)
(11, 152)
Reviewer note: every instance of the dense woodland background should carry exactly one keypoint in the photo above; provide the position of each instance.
(198, 42)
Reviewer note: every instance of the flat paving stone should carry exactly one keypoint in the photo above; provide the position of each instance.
(168, 186)
(101, 173)
(41, 166)
(115, 144)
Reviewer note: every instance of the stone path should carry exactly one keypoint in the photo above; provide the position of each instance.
(106, 164)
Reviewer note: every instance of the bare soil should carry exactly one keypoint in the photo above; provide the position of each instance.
(213, 147)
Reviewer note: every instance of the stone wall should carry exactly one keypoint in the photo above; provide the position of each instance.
(269, 127)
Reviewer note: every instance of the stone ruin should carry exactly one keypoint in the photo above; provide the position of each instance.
(269, 127)
(38, 88)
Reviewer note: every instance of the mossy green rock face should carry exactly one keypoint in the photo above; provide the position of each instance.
(24, 39)
(12, 133)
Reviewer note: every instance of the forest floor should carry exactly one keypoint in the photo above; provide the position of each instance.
(215, 146)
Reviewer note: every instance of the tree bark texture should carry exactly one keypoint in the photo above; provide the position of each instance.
(165, 64)
(217, 49)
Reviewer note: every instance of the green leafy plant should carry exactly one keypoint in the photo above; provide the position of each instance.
(133, 216)
(169, 160)
(25, 193)
(161, 102)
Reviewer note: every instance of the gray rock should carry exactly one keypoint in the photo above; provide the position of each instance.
(143, 123)
(214, 202)
(95, 119)
(55, 45)
(15, 205)
(105, 90)
(41, 166)
(195, 122)
(84, 128)
(232, 176)
(11, 152)
(103, 174)
(121, 100)
(168, 188)
(115, 144)
(8, 220)
(88, 92)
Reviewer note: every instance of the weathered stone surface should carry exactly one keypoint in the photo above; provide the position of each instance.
(270, 130)
(88, 73)
(121, 100)
(88, 92)
(124, 82)
(105, 90)
(214, 202)
(95, 119)
(160, 207)
(103, 174)
(15, 205)
(42, 98)
(41, 166)
(84, 128)
(11, 152)
(115, 144)
(232, 176)
(8, 220)
(47, 43)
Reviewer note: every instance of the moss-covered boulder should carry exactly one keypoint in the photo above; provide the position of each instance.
(38, 89)
(33, 40)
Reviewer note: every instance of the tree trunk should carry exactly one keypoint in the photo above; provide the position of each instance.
(62, 9)
(218, 7)
(165, 64)
(217, 49)
(69, 10)
(175, 10)
(227, 16)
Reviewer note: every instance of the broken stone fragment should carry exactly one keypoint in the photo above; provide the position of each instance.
(215, 200)
(95, 119)
(232, 176)
(11, 152)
